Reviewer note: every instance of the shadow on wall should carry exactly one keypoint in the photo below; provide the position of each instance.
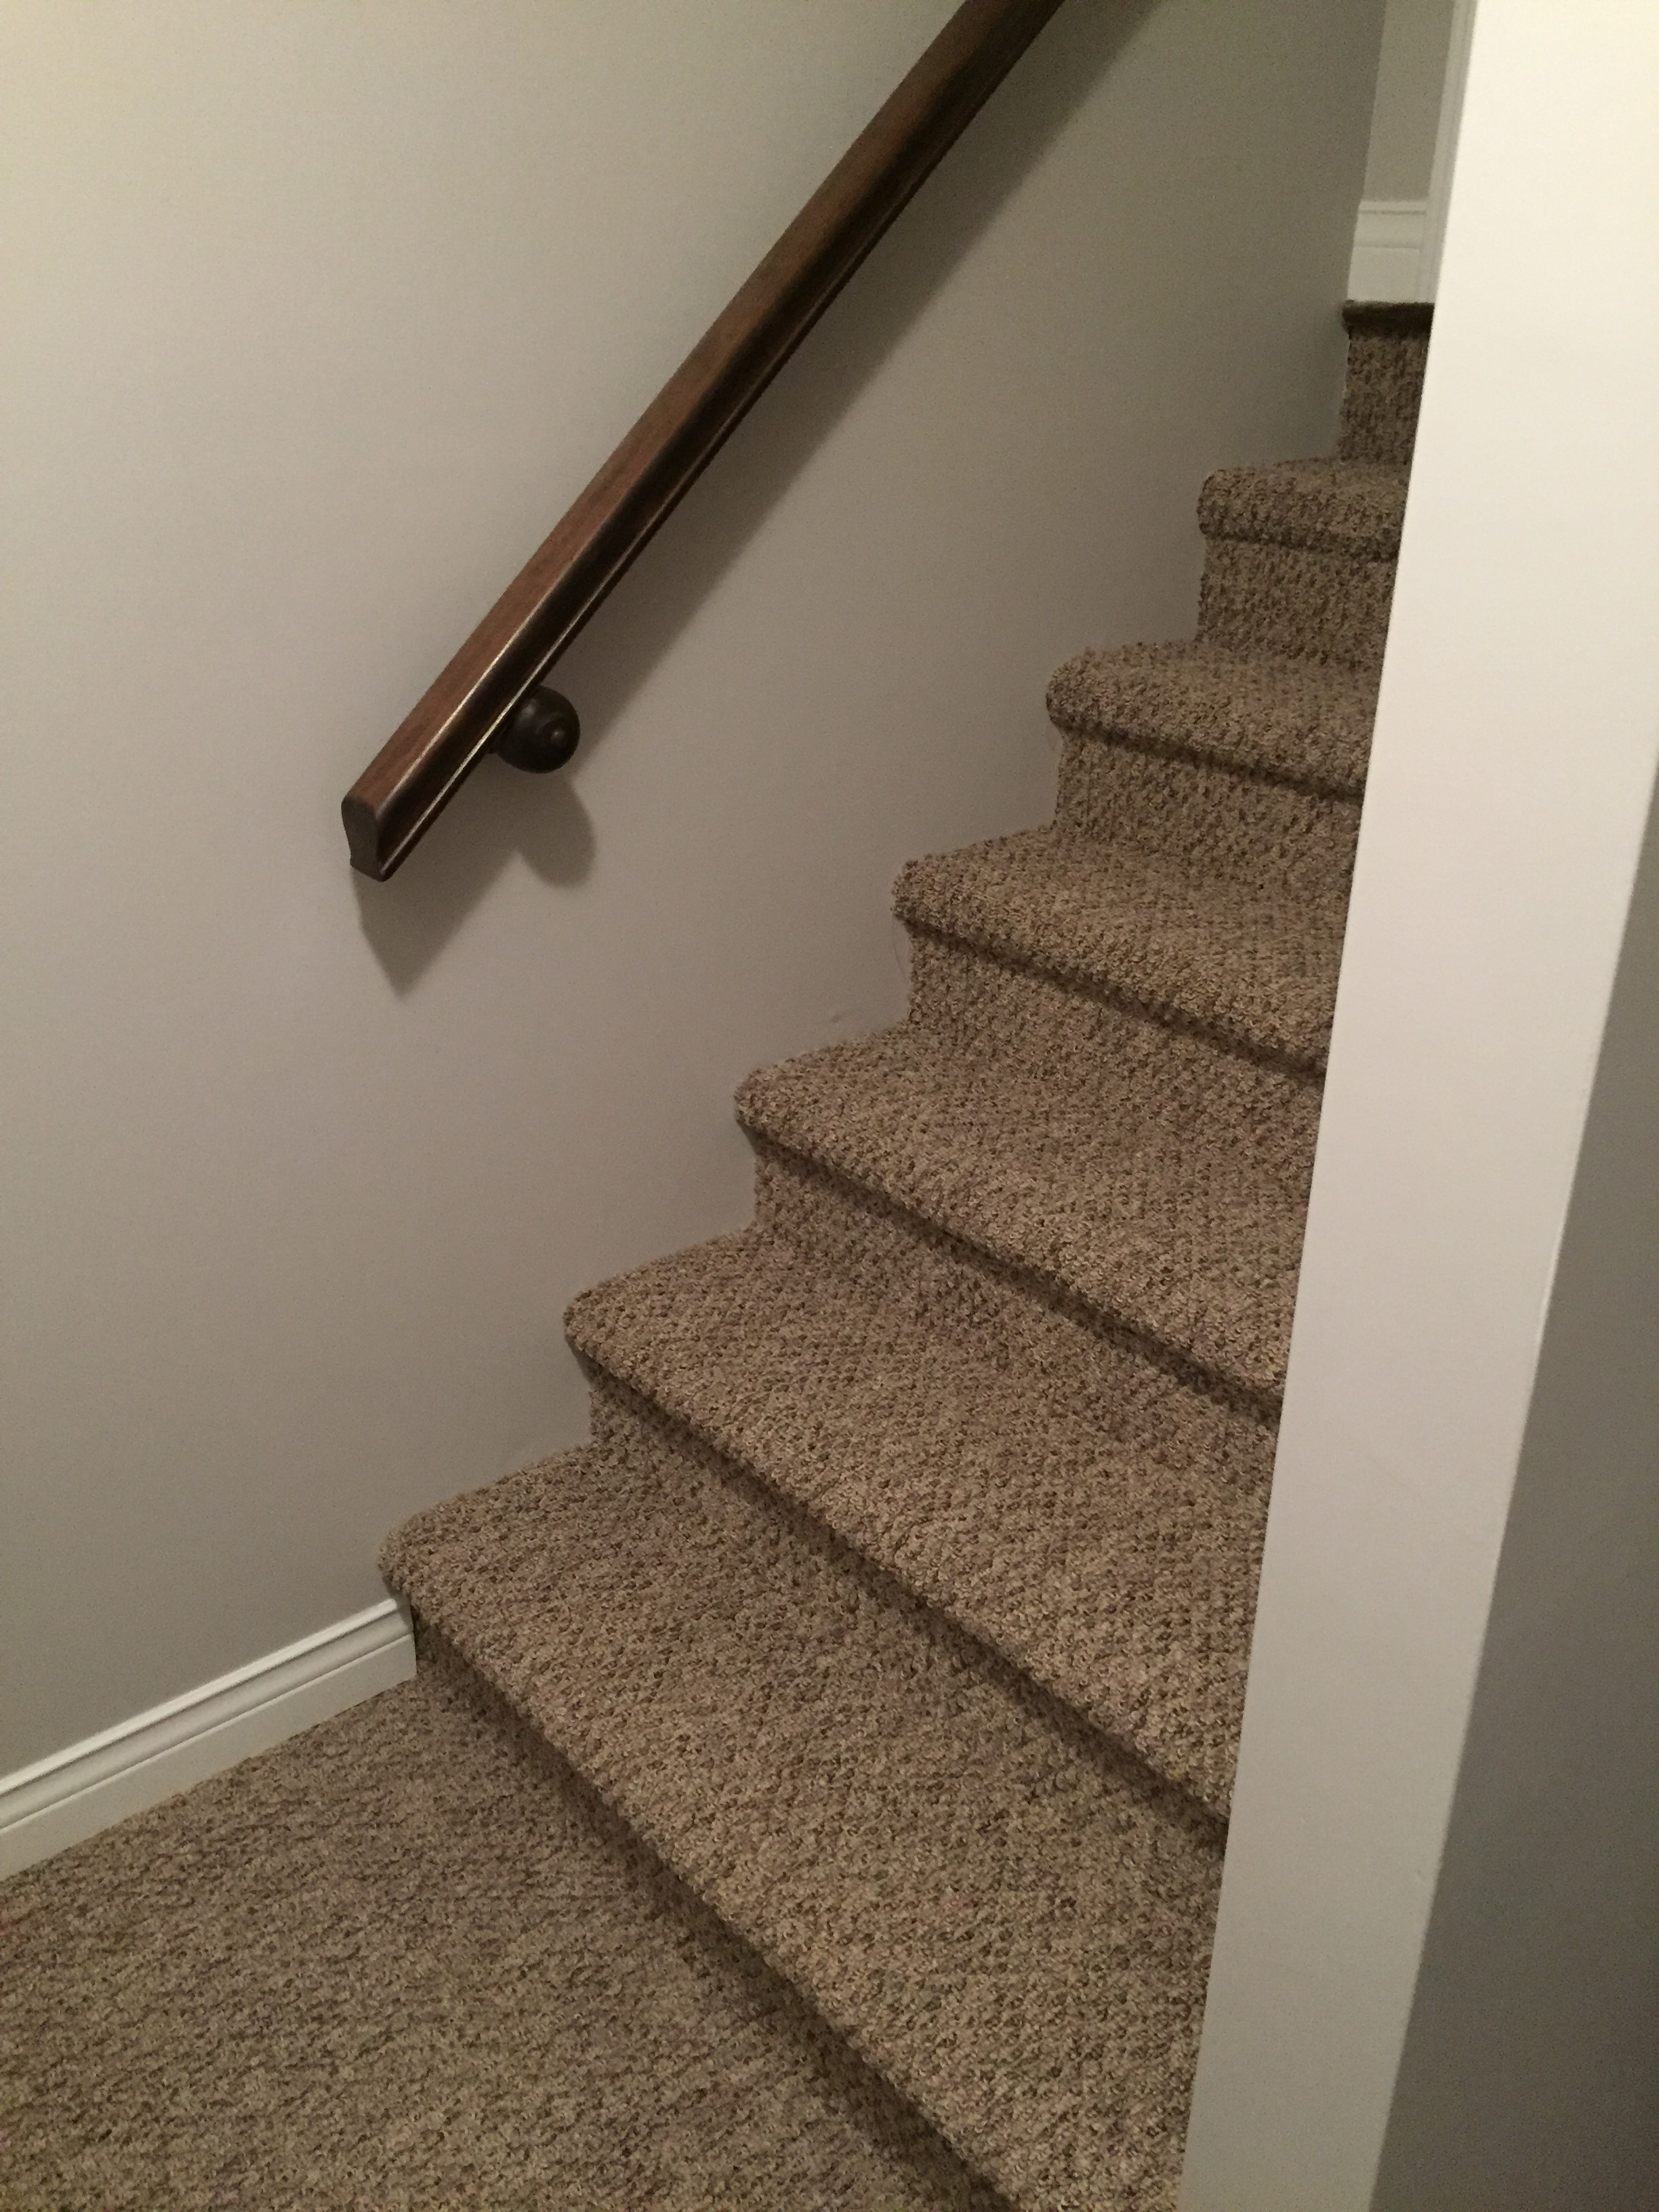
(502, 812)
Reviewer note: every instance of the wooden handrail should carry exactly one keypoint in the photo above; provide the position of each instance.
(415, 774)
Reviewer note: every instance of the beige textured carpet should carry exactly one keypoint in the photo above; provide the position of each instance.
(405, 1963)
(898, 1612)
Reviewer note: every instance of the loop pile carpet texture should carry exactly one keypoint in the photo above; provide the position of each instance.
(902, 1601)
(879, 1664)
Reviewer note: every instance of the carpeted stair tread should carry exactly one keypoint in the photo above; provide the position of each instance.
(403, 1962)
(1352, 508)
(1004, 1919)
(899, 1605)
(1148, 927)
(1117, 1566)
(1176, 1214)
(1306, 722)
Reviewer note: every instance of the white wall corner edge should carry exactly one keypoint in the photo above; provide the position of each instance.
(1397, 243)
(62, 1800)
(1387, 250)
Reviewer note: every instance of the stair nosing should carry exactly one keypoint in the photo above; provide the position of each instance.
(1251, 767)
(1307, 1062)
(1232, 1389)
(673, 1408)
(610, 1778)
(1014, 1675)
(1310, 787)
(1285, 527)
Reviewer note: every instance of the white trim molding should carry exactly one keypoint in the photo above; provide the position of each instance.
(1445, 148)
(62, 1800)
(1397, 243)
(1387, 250)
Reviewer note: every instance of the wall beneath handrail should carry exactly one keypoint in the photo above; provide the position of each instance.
(317, 317)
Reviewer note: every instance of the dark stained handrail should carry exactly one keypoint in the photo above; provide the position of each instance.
(415, 775)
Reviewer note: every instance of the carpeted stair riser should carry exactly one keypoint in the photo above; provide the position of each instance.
(1110, 1559)
(902, 1602)
(927, 2172)
(1199, 951)
(1301, 722)
(406, 1961)
(1380, 395)
(1044, 1031)
(1106, 1200)
(1213, 821)
(1082, 1042)
(1257, 597)
(984, 1785)
(1010, 1922)
(1013, 1314)
(1299, 559)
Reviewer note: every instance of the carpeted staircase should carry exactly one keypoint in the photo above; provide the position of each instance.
(815, 1791)
(900, 1603)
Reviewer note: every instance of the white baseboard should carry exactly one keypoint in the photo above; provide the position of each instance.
(1387, 250)
(62, 1800)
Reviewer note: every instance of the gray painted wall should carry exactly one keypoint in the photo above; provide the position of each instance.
(317, 318)
(1409, 75)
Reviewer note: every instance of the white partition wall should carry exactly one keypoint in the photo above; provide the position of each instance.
(1439, 1936)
